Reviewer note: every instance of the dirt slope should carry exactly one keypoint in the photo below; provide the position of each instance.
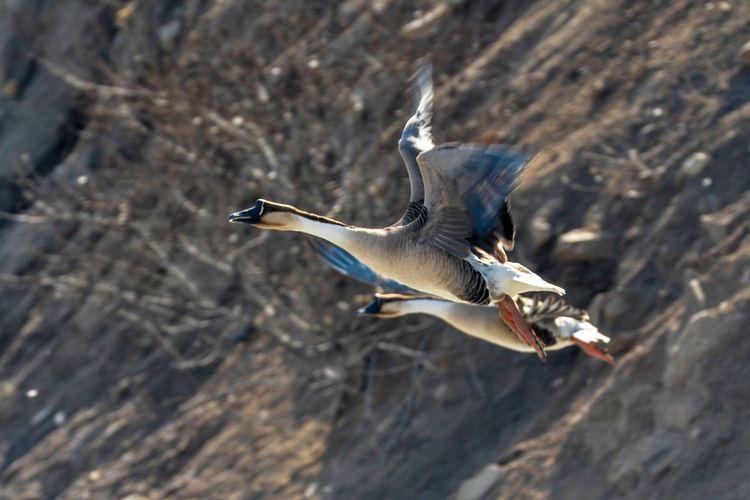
(150, 350)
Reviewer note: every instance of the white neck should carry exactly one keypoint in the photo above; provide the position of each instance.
(438, 308)
(368, 245)
(482, 322)
(336, 234)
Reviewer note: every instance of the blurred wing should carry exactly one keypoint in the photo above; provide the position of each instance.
(348, 265)
(415, 139)
(466, 191)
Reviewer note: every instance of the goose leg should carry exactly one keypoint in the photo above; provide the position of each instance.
(512, 317)
(594, 350)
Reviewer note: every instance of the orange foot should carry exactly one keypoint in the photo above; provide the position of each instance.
(512, 317)
(594, 350)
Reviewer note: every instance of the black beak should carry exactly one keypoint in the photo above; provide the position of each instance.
(371, 308)
(249, 216)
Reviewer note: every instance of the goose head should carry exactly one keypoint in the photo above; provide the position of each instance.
(271, 215)
(266, 214)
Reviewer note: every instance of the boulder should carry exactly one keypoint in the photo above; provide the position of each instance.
(718, 225)
(539, 232)
(583, 245)
(478, 486)
(695, 164)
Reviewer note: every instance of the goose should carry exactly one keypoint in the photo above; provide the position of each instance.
(557, 323)
(451, 240)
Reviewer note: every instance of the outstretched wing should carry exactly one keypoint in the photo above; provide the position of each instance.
(416, 139)
(466, 196)
(348, 265)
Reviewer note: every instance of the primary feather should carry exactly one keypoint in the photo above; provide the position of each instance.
(416, 138)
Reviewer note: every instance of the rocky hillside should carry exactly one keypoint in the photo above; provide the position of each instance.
(150, 350)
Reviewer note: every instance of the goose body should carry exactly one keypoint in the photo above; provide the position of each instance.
(450, 241)
(400, 253)
(558, 324)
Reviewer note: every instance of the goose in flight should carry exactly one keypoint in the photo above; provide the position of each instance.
(450, 241)
(557, 323)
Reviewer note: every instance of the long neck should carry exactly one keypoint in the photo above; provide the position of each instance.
(477, 321)
(336, 233)
(468, 318)
(434, 307)
(373, 247)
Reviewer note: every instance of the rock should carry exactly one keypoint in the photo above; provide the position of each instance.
(168, 32)
(658, 453)
(696, 291)
(678, 413)
(690, 375)
(744, 55)
(59, 418)
(582, 245)
(716, 225)
(610, 308)
(539, 232)
(596, 308)
(649, 457)
(124, 13)
(45, 112)
(9, 88)
(616, 307)
(705, 335)
(694, 164)
(478, 486)
(41, 415)
(348, 11)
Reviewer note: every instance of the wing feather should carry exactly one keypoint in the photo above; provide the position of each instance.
(416, 138)
(539, 308)
(466, 196)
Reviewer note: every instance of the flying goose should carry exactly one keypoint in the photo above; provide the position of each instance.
(449, 242)
(557, 323)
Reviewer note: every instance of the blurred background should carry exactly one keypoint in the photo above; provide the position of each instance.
(148, 349)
